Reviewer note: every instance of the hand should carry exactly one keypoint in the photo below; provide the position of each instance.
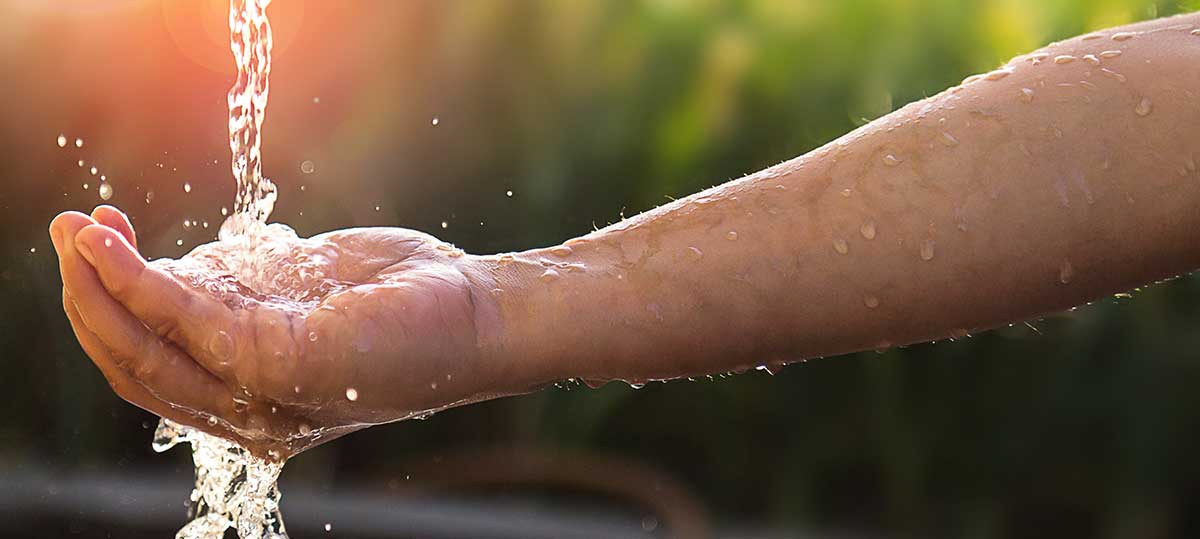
(352, 328)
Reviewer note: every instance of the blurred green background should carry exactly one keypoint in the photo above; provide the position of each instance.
(1085, 424)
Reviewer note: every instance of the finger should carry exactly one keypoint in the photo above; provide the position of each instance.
(64, 227)
(176, 406)
(116, 220)
(166, 372)
(191, 317)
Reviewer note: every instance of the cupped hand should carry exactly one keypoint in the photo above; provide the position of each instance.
(304, 340)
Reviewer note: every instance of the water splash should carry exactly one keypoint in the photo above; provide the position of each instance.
(235, 489)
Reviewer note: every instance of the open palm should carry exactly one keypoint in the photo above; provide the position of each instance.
(296, 343)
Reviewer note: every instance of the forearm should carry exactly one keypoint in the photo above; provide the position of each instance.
(1022, 193)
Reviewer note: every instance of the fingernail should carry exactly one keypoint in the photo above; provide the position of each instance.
(56, 240)
(86, 252)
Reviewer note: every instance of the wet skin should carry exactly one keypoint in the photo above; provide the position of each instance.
(1067, 175)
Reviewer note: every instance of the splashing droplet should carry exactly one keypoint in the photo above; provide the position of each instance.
(106, 191)
(927, 249)
(351, 395)
(108, 242)
(841, 246)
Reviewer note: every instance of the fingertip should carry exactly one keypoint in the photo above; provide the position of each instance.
(65, 226)
(116, 219)
(108, 251)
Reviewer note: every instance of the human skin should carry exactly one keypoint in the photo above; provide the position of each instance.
(1064, 176)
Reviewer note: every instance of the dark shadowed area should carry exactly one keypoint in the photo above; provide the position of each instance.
(1085, 424)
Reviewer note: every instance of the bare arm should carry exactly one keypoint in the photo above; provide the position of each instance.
(1064, 176)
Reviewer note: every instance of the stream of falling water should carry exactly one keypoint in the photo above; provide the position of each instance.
(235, 489)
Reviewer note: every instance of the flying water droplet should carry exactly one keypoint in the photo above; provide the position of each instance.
(94, 171)
(80, 163)
(62, 141)
(351, 394)
(307, 167)
(179, 242)
(187, 187)
(435, 121)
(78, 143)
(445, 225)
(106, 191)
(508, 194)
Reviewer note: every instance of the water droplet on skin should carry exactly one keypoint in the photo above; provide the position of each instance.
(732, 235)
(62, 141)
(1066, 273)
(891, 160)
(1064, 59)
(312, 336)
(868, 230)
(847, 192)
(106, 191)
(549, 275)
(1144, 107)
(998, 74)
(94, 171)
(1038, 57)
(948, 140)
(1196, 32)
(1107, 55)
(871, 302)
(1088, 85)
(78, 143)
(695, 253)
(307, 167)
(562, 251)
(927, 249)
(841, 246)
(351, 394)
(1091, 59)
(1112, 74)
(505, 259)
(1122, 36)
(1027, 95)
(108, 242)
(433, 385)
(212, 421)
